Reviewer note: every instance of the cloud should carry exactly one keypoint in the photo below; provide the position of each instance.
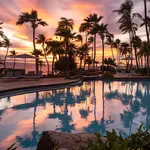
(52, 10)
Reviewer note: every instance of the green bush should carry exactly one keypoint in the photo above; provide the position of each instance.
(136, 141)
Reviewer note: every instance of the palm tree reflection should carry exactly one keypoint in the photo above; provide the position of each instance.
(32, 140)
(98, 126)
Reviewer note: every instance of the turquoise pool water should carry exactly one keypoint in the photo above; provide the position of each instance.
(94, 106)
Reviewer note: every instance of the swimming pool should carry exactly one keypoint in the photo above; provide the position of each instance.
(95, 106)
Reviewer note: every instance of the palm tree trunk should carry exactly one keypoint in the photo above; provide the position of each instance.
(46, 60)
(131, 53)
(94, 49)
(14, 63)
(53, 66)
(147, 65)
(135, 51)
(6, 57)
(103, 56)
(37, 59)
(146, 23)
(112, 52)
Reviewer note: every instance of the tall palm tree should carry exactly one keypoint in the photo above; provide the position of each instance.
(110, 41)
(93, 21)
(6, 43)
(136, 45)
(145, 15)
(103, 32)
(66, 23)
(90, 41)
(41, 64)
(79, 38)
(127, 25)
(13, 53)
(116, 45)
(37, 53)
(124, 49)
(145, 51)
(35, 21)
(41, 39)
(52, 47)
(84, 28)
(82, 53)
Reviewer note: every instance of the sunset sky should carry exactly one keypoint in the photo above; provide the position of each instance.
(51, 11)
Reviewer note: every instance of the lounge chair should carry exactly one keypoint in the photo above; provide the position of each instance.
(17, 73)
(12, 74)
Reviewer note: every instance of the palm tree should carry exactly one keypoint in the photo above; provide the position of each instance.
(116, 45)
(127, 25)
(90, 41)
(41, 64)
(125, 50)
(145, 51)
(146, 22)
(37, 53)
(6, 43)
(52, 47)
(79, 38)
(102, 31)
(84, 27)
(110, 41)
(93, 21)
(136, 45)
(41, 39)
(82, 53)
(33, 19)
(13, 53)
(66, 23)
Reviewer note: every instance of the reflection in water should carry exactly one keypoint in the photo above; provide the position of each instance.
(96, 106)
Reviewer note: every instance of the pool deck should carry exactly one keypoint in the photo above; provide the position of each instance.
(14, 85)
(7, 85)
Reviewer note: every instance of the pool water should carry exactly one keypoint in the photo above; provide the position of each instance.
(94, 106)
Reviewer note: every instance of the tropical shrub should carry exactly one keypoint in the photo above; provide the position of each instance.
(113, 141)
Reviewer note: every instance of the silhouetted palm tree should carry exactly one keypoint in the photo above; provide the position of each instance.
(136, 45)
(37, 53)
(79, 38)
(84, 27)
(6, 43)
(103, 32)
(110, 42)
(33, 19)
(145, 18)
(127, 25)
(41, 39)
(145, 51)
(116, 45)
(124, 49)
(90, 41)
(41, 64)
(53, 47)
(93, 20)
(82, 52)
(13, 53)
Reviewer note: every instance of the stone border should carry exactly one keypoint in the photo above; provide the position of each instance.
(30, 89)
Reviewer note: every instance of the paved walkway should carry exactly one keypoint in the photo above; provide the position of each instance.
(21, 83)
